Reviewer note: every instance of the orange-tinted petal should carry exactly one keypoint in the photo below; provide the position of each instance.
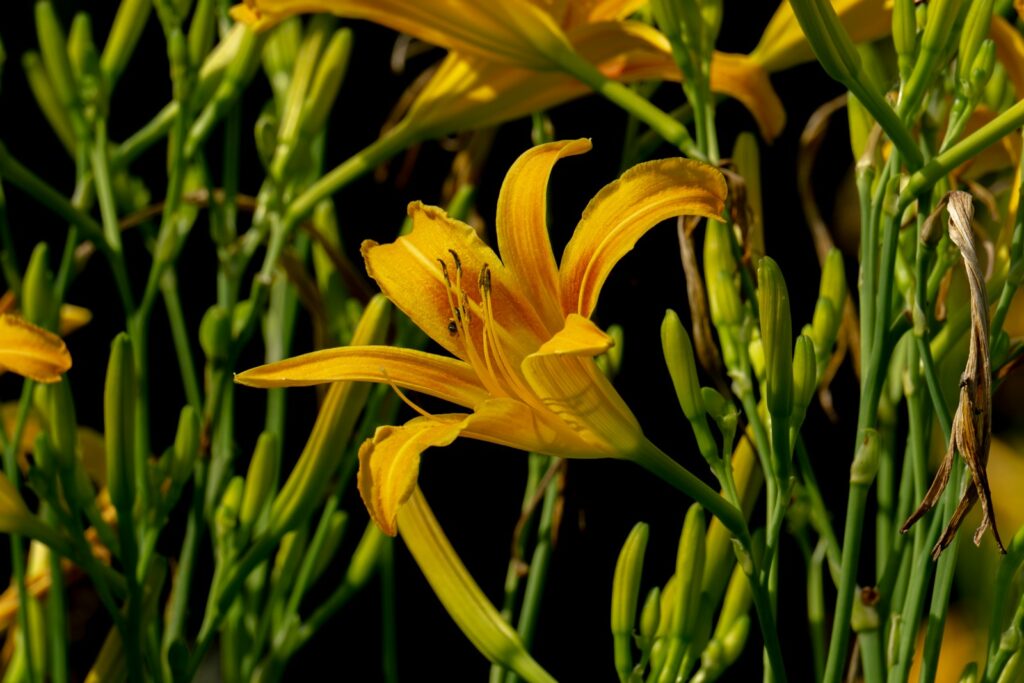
(522, 227)
(579, 337)
(623, 211)
(389, 463)
(1009, 51)
(580, 12)
(409, 273)
(573, 388)
(31, 351)
(512, 31)
(446, 378)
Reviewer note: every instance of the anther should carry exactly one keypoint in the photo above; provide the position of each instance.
(444, 271)
(458, 261)
(485, 279)
(453, 329)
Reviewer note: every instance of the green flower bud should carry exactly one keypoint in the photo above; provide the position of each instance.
(805, 378)
(718, 255)
(833, 280)
(973, 33)
(678, 351)
(904, 35)
(823, 328)
(289, 557)
(828, 39)
(735, 640)
(996, 89)
(942, 15)
(625, 589)
(53, 46)
(865, 613)
(239, 316)
(118, 423)
(610, 361)
(60, 417)
(755, 350)
(865, 459)
(201, 31)
(776, 337)
(746, 156)
(82, 53)
(337, 524)
(736, 603)
(45, 459)
(333, 65)
(650, 617)
(186, 445)
(37, 288)
(261, 480)
(225, 519)
(279, 54)
(215, 332)
(970, 673)
(129, 22)
(689, 573)
(716, 405)
(983, 66)
(46, 97)
(366, 557)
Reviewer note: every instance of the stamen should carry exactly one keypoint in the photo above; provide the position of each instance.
(405, 399)
(444, 271)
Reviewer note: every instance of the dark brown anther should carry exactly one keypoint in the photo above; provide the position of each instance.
(485, 279)
(453, 329)
(444, 271)
(458, 261)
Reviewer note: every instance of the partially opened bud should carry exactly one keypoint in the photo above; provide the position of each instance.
(625, 589)
(776, 337)
(675, 344)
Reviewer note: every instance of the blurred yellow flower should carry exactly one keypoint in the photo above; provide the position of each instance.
(31, 351)
(519, 326)
(506, 58)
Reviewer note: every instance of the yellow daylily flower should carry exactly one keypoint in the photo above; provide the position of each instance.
(506, 58)
(518, 327)
(31, 351)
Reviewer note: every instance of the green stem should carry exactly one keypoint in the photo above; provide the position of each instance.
(180, 335)
(56, 615)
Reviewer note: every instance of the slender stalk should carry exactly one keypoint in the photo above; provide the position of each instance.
(56, 615)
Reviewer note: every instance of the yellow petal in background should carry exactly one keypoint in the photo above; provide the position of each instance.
(31, 351)
(522, 228)
(462, 598)
(623, 211)
(1009, 51)
(389, 463)
(72, 318)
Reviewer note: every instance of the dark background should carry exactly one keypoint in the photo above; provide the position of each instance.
(475, 488)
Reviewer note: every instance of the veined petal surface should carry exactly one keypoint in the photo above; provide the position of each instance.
(31, 351)
(623, 211)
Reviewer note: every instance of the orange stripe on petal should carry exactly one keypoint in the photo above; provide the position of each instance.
(522, 227)
(31, 351)
(389, 463)
(446, 378)
(623, 211)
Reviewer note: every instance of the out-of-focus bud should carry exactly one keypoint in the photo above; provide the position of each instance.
(215, 332)
(776, 337)
(260, 481)
(746, 156)
(865, 459)
(625, 589)
(904, 35)
(716, 405)
(60, 417)
(186, 445)
(118, 421)
(46, 97)
(53, 46)
(201, 31)
(650, 617)
(828, 311)
(755, 350)
(736, 603)
(82, 54)
(970, 673)
(827, 37)
(37, 287)
(675, 344)
(225, 519)
(333, 65)
(805, 378)
(973, 33)
(124, 35)
(337, 524)
(983, 66)
(996, 88)
(689, 572)
(279, 53)
(289, 557)
(610, 362)
(722, 651)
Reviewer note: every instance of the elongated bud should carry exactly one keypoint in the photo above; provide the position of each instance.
(721, 652)
(650, 617)
(279, 53)
(973, 33)
(983, 66)
(904, 35)
(124, 36)
(675, 344)
(53, 46)
(46, 97)
(337, 524)
(330, 73)
(746, 157)
(60, 416)
(118, 420)
(776, 337)
(942, 15)
(805, 378)
(720, 268)
(736, 603)
(261, 480)
(828, 310)
(81, 48)
(331, 432)
(625, 589)
(37, 287)
(201, 31)
(689, 573)
(215, 332)
(716, 405)
(186, 445)
(289, 557)
(828, 39)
